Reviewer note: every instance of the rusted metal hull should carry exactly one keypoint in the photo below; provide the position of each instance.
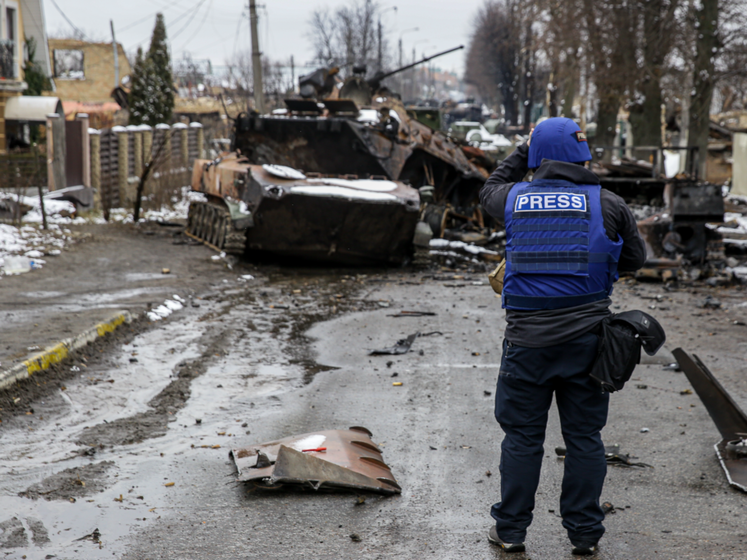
(332, 219)
(730, 420)
(333, 230)
(317, 460)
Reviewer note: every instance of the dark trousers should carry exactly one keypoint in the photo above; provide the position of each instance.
(527, 380)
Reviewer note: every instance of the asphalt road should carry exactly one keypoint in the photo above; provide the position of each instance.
(286, 353)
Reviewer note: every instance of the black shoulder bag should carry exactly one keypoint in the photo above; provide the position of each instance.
(622, 336)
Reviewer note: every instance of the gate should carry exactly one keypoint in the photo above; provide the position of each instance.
(74, 153)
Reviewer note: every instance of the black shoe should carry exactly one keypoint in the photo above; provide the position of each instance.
(507, 547)
(584, 549)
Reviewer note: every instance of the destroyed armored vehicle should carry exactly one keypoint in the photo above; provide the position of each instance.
(333, 178)
(276, 209)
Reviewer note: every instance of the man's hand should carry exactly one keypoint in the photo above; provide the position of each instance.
(530, 136)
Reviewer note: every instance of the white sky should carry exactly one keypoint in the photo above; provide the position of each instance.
(216, 29)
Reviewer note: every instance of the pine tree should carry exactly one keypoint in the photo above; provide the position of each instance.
(138, 100)
(151, 91)
(158, 54)
(33, 74)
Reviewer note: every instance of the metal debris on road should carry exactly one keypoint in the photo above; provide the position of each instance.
(401, 347)
(349, 460)
(710, 302)
(612, 455)
(730, 420)
(413, 314)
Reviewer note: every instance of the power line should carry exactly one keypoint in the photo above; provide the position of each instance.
(177, 18)
(133, 24)
(194, 13)
(207, 13)
(78, 31)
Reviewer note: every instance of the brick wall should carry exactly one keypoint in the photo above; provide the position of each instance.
(98, 64)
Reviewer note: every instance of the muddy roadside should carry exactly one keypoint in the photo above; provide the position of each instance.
(110, 267)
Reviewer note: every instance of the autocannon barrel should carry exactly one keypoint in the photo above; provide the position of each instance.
(377, 79)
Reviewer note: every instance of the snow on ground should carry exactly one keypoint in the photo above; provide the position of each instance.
(178, 210)
(58, 211)
(166, 309)
(31, 242)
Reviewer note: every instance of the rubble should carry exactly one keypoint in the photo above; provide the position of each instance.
(401, 347)
(334, 459)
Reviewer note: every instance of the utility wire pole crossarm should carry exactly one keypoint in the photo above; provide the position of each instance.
(259, 97)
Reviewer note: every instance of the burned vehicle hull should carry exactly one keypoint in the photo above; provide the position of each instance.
(280, 211)
(356, 143)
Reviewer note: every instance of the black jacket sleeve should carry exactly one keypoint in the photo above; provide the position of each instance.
(619, 219)
(495, 190)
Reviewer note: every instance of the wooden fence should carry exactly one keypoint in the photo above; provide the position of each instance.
(23, 170)
(121, 154)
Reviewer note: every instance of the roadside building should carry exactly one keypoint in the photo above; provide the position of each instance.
(85, 75)
(20, 20)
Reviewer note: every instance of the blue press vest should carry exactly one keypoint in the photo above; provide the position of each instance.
(557, 252)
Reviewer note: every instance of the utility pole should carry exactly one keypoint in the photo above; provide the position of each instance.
(116, 55)
(401, 77)
(380, 57)
(259, 97)
(293, 75)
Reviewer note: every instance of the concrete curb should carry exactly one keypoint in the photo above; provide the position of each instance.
(58, 352)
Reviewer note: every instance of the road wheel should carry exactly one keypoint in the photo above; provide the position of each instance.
(221, 236)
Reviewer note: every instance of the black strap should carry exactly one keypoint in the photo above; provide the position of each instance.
(551, 302)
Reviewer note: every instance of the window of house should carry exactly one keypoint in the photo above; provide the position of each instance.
(68, 64)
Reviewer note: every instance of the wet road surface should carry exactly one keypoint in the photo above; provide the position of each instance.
(286, 353)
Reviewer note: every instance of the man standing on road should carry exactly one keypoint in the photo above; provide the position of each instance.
(566, 240)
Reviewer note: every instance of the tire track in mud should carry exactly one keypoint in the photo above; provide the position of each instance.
(246, 305)
(163, 407)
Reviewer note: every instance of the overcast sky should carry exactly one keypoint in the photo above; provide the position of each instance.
(216, 29)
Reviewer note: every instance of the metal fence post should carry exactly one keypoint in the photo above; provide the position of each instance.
(56, 178)
(200, 131)
(95, 168)
(82, 118)
(122, 164)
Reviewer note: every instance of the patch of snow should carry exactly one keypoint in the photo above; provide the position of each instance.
(30, 243)
(365, 184)
(368, 116)
(460, 245)
(165, 309)
(342, 192)
(283, 172)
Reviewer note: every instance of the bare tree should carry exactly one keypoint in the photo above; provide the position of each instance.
(350, 36)
(493, 57)
(655, 27)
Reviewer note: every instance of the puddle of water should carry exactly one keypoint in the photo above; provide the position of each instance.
(237, 388)
(87, 405)
(41, 295)
(143, 276)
